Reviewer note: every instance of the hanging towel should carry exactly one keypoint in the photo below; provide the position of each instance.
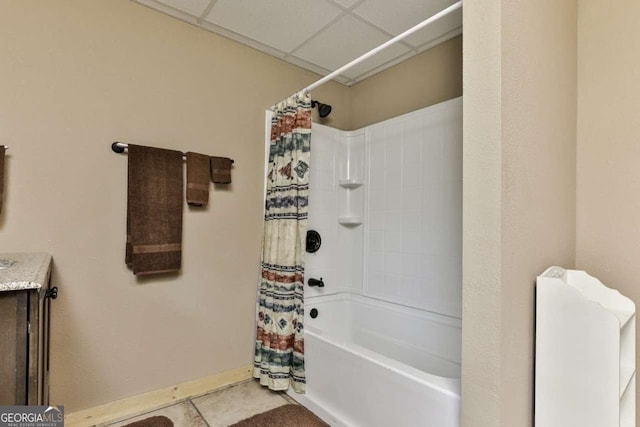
(197, 179)
(221, 170)
(154, 210)
(1, 174)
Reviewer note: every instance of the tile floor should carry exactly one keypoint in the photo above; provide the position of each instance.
(220, 408)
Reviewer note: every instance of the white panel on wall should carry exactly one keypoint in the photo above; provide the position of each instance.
(339, 260)
(323, 208)
(413, 224)
(403, 177)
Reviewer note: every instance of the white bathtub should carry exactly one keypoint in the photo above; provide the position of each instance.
(373, 363)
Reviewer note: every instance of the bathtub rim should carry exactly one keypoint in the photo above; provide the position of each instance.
(445, 385)
(349, 295)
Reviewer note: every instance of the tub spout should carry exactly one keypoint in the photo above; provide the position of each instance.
(316, 282)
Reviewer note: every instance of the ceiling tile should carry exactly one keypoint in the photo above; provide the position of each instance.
(192, 7)
(387, 55)
(346, 3)
(282, 24)
(316, 69)
(452, 23)
(397, 17)
(270, 26)
(366, 72)
(242, 39)
(435, 42)
(343, 42)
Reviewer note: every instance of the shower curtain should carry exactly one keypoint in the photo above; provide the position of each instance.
(279, 352)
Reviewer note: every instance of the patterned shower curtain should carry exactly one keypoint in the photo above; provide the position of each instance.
(279, 354)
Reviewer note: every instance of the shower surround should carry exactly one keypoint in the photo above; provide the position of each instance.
(384, 344)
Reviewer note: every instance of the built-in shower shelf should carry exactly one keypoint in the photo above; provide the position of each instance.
(350, 183)
(350, 220)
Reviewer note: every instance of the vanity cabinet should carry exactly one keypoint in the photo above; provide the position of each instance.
(25, 298)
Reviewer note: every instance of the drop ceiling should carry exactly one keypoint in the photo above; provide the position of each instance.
(321, 35)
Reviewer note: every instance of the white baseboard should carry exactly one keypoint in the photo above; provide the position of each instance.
(150, 401)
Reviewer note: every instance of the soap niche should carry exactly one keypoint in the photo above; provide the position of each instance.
(351, 179)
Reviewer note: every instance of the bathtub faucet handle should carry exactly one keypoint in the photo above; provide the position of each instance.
(316, 282)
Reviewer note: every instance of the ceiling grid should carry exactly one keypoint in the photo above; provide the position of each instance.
(321, 35)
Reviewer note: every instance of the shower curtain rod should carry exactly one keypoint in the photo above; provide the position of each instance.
(388, 43)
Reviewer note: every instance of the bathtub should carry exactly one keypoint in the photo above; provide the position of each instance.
(373, 363)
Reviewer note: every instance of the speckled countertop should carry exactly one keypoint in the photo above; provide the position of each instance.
(20, 271)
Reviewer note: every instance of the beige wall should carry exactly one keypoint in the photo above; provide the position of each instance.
(78, 75)
(539, 176)
(428, 78)
(481, 217)
(519, 192)
(608, 211)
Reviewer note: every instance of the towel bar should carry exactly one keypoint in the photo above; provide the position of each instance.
(119, 147)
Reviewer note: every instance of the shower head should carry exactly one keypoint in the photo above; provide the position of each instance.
(323, 109)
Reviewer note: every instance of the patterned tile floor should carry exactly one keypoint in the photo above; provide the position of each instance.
(220, 408)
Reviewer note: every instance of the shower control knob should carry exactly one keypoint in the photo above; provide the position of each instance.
(313, 241)
(313, 313)
(316, 282)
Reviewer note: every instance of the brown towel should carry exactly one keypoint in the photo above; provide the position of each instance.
(1, 174)
(154, 210)
(221, 170)
(197, 179)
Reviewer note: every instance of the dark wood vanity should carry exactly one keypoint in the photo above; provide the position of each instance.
(25, 299)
